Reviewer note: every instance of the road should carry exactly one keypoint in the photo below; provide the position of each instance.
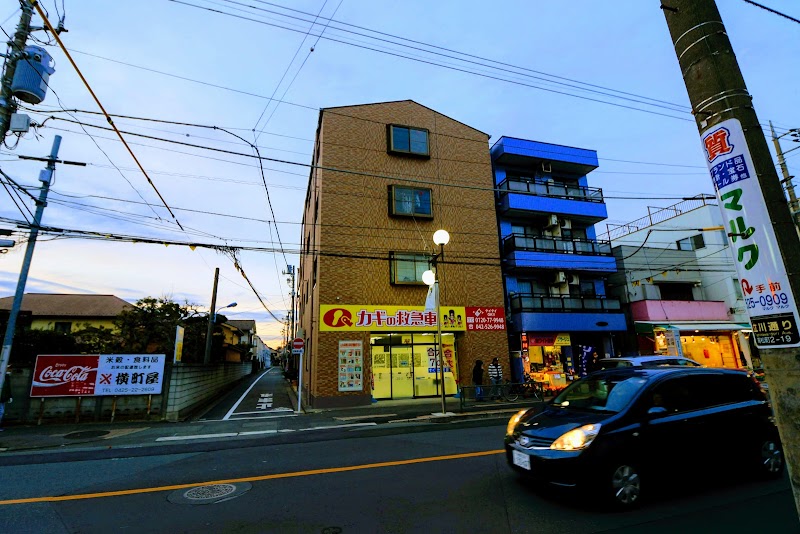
(350, 480)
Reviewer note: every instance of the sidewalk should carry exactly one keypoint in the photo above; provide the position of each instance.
(107, 436)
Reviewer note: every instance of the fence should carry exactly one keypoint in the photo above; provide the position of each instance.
(615, 231)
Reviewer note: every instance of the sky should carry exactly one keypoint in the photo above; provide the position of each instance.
(551, 71)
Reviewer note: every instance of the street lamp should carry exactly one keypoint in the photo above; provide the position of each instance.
(212, 319)
(231, 305)
(431, 278)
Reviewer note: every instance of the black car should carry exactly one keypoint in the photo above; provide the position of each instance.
(617, 431)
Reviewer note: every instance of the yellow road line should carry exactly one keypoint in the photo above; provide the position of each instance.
(249, 479)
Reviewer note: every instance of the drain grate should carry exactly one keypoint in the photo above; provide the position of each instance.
(209, 494)
(214, 491)
(87, 434)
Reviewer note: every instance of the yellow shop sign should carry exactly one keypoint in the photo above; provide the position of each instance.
(336, 318)
(562, 340)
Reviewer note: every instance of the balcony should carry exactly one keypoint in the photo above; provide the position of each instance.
(525, 302)
(555, 244)
(519, 197)
(546, 313)
(521, 252)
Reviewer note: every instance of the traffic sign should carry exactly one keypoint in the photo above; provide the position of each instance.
(298, 343)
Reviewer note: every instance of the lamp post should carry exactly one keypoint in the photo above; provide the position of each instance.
(431, 278)
(212, 319)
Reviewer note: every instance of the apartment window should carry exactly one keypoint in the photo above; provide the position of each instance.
(410, 201)
(62, 327)
(696, 242)
(406, 140)
(675, 291)
(407, 268)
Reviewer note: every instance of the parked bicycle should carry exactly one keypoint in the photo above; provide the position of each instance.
(527, 390)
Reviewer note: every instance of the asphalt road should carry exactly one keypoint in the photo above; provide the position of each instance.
(362, 480)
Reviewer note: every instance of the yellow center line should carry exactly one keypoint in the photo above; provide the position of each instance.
(249, 479)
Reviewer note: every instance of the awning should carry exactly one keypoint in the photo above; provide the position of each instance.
(646, 327)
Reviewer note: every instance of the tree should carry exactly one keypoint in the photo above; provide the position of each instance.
(149, 326)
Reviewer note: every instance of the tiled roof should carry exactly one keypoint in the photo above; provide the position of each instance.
(244, 325)
(61, 305)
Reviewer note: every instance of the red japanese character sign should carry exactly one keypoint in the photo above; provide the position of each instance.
(479, 318)
(97, 374)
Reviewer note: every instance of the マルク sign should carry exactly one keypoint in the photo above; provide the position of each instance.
(298, 343)
(97, 374)
(762, 274)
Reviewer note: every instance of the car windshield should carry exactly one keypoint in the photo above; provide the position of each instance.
(606, 393)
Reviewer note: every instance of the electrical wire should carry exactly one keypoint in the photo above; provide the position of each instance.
(773, 11)
(100, 105)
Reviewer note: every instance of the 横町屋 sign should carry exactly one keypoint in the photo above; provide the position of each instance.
(765, 284)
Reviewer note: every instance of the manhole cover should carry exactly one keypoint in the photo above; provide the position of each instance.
(87, 434)
(209, 494)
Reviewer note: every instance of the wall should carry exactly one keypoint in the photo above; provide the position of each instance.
(190, 386)
(78, 323)
(678, 310)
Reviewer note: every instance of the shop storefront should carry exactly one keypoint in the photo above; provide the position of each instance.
(710, 344)
(406, 366)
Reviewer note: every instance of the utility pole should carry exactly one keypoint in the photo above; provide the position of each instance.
(764, 239)
(45, 177)
(211, 314)
(787, 178)
(16, 51)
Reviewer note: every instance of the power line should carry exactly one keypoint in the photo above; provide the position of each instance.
(773, 11)
(100, 105)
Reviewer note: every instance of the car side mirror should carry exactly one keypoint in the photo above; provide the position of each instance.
(656, 411)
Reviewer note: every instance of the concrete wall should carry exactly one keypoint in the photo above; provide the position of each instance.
(194, 384)
(191, 385)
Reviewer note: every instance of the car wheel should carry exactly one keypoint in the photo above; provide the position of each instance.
(771, 459)
(625, 485)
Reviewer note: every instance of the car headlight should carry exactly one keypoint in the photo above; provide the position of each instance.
(576, 439)
(514, 421)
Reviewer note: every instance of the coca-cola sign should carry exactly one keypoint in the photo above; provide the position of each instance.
(97, 374)
(64, 376)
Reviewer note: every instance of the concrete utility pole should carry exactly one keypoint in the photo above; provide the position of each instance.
(16, 51)
(787, 178)
(211, 317)
(764, 240)
(45, 177)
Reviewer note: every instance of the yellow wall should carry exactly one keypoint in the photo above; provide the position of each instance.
(77, 323)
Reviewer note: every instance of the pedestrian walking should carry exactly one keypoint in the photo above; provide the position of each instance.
(496, 376)
(5, 394)
(477, 379)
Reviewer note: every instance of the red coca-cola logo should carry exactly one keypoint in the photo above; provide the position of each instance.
(76, 373)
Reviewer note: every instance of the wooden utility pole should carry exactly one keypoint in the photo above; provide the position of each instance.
(211, 318)
(16, 51)
(764, 241)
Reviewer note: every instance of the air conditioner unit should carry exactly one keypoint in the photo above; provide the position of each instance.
(566, 224)
(552, 221)
(560, 277)
(547, 167)
(574, 280)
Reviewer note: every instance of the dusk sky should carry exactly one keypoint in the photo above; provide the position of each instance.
(601, 75)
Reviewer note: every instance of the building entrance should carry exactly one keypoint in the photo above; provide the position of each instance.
(405, 366)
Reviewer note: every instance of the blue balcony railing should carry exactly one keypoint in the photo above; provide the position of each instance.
(526, 302)
(555, 244)
(550, 188)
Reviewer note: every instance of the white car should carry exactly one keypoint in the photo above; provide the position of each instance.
(647, 361)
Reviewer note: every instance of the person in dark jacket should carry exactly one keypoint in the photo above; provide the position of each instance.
(477, 379)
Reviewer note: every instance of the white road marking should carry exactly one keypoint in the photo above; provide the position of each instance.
(238, 402)
(279, 409)
(288, 414)
(258, 432)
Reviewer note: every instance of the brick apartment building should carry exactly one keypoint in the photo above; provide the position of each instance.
(386, 176)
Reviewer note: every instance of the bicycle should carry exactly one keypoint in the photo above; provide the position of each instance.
(512, 392)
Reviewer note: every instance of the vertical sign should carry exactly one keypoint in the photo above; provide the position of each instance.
(351, 365)
(765, 284)
(178, 343)
(673, 339)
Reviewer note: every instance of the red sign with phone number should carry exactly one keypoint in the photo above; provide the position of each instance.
(479, 318)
